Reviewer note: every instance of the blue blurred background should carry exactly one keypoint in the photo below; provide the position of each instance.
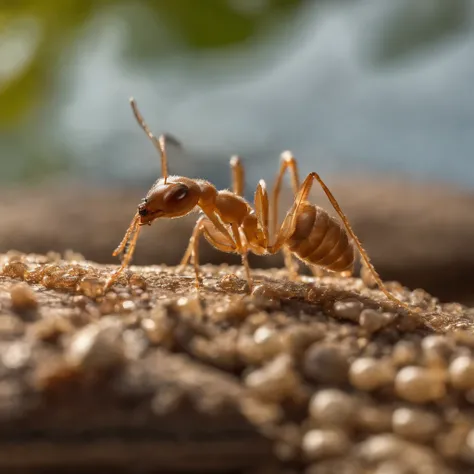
(384, 86)
(375, 95)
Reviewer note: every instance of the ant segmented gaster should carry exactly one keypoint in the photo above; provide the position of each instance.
(232, 225)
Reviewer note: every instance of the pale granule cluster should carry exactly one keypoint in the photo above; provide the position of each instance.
(335, 376)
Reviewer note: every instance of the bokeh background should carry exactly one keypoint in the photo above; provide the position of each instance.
(375, 95)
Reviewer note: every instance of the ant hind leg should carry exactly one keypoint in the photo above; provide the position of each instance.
(302, 196)
(241, 248)
(291, 264)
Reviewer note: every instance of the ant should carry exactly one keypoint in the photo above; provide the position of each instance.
(232, 225)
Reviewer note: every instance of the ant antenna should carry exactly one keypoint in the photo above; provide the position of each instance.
(158, 142)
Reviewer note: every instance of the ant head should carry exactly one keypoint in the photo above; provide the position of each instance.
(170, 196)
(174, 198)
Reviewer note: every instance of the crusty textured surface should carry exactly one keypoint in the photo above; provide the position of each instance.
(153, 378)
(418, 234)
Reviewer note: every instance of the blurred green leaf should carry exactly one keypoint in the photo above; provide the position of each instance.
(198, 24)
(219, 23)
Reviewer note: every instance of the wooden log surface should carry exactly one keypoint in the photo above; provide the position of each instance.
(418, 234)
(152, 377)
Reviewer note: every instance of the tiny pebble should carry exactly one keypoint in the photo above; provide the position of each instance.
(415, 424)
(96, 347)
(219, 351)
(14, 269)
(370, 374)
(137, 281)
(91, 287)
(233, 284)
(461, 373)
(420, 385)
(159, 329)
(298, 337)
(404, 353)
(189, 306)
(16, 355)
(71, 256)
(23, 298)
(332, 407)
(265, 292)
(385, 447)
(128, 305)
(326, 364)
(407, 323)
(33, 275)
(436, 350)
(14, 256)
(463, 338)
(275, 381)
(372, 321)
(264, 344)
(348, 309)
(374, 419)
(320, 444)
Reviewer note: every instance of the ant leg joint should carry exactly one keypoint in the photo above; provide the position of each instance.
(287, 156)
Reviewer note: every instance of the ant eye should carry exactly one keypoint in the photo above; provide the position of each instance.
(142, 210)
(179, 193)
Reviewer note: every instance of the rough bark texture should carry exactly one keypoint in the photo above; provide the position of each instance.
(314, 376)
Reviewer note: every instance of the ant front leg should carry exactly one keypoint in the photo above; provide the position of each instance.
(128, 244)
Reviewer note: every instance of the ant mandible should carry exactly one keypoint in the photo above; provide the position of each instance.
(231, 225)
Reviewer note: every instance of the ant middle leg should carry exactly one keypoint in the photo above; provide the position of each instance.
(193, 248)
(216, 238)
(288, 163)
(242, 248)
(189, 249)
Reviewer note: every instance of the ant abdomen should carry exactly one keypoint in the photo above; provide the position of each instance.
(319, 239)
